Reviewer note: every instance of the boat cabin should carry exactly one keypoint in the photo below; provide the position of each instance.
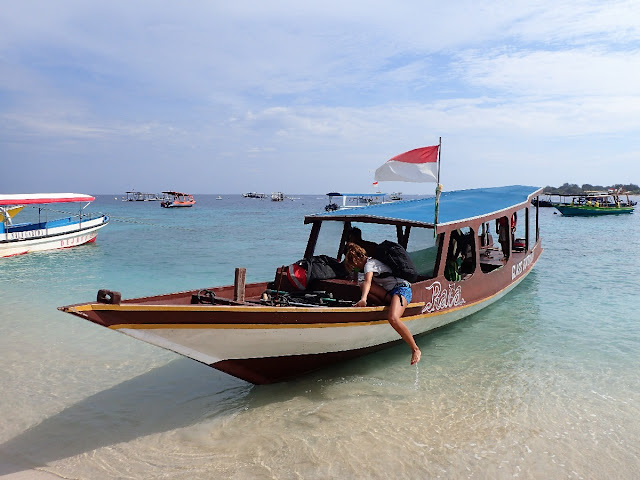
(476, 233)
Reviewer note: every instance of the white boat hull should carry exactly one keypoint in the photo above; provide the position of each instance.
(212, 343)
(19, 243)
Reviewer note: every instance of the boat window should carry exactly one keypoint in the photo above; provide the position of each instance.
(461, 254)
(328, 242)
(519, 230)
(503, 230)
(377, 233)
(484, 236)
(493, 253)
(369, 235)
(422, 246)
(329, 239)
(423, 250)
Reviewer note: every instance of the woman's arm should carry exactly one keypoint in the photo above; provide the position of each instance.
(364, 288)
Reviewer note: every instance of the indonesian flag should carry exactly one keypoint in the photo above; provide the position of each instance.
(419, 165)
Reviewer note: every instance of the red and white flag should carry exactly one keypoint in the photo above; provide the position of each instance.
(419, 165)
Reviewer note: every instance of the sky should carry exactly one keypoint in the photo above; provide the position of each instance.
(311, 97)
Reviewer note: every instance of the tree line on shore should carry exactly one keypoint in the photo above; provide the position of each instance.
(574, 189)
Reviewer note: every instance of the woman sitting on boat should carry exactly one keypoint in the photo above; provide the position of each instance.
(383, 288)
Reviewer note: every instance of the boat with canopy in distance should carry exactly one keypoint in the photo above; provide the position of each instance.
(43, 233)
(353, 200)
(132, 196)
(271, 331)
(594, 203)
(177, 199)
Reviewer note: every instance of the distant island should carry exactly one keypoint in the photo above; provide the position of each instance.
(573, 189)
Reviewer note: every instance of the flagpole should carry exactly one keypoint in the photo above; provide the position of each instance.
(438, 192)
(439, 150)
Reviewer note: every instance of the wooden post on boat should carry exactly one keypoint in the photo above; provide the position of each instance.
(238, 284)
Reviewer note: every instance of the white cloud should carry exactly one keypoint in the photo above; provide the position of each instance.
(571, 73)
(344, 85)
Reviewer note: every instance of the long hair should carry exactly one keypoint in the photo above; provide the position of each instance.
(353, 255)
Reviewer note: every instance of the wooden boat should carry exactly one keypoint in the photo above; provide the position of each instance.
(142, 197)
(594, 203)
(45, 234)
(254, 195)
(542, 202)
(177, 199)
(267, 332)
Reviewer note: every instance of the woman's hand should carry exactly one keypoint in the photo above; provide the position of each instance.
(365, 286)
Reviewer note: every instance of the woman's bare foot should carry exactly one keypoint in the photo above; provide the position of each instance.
(415, 357)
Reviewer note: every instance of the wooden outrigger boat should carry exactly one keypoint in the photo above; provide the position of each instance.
(45, 234)
(267, 332)
(142, 197)
(177, 199)
(353, 200)
(594, 203)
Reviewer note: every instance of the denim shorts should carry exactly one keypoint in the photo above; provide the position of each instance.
(403, 289)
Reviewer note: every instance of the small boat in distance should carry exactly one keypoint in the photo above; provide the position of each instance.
(254, 195)
(543, 202)
(45, 234)
(277, 196)
(594, 203)
(177, 199)
(343, 201)
(142, 197)
(270, 331)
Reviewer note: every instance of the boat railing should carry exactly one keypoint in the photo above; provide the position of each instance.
(43, 223)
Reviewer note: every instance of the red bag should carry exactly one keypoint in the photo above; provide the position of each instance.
(297, 276)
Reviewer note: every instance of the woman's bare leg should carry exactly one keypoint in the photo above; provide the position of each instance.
(396, 309)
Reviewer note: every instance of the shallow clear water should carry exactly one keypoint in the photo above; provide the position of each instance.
(542, 384)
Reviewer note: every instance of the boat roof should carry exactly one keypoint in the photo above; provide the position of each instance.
(454, 206)
(176, 193)
(588, 194)
(42, 198)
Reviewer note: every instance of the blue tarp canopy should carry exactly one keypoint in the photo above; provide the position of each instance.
(455, 206)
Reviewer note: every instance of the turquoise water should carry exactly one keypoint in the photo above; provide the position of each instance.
(542, 384)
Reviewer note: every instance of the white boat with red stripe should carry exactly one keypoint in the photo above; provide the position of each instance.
(41, 232)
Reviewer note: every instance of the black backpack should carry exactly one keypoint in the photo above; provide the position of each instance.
(397, 259)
